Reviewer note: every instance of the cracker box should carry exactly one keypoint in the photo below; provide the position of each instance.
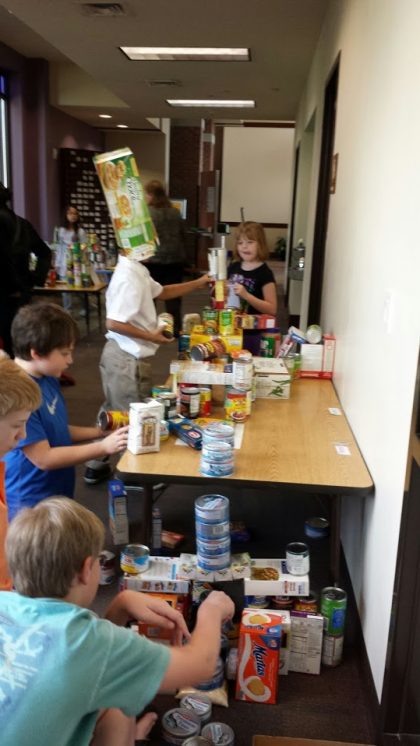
(258, 656)
(272, 378)
(269, 577)
(306, 642)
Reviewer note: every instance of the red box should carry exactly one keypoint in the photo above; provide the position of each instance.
(259, 651)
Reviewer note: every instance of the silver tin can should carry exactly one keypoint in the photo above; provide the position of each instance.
(332, 650)
(199, 704)
(178, 725)
(219, 733)
(297, 558)
(197, 741)
(212, 508)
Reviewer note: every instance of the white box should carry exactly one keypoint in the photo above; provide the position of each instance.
(306, 642)
(144, 430)
(240, 568)
(270, 365)
(162, 575)
(272, 378)
(318, 360)
(277, 582)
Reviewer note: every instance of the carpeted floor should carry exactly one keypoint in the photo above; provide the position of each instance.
(332, 706)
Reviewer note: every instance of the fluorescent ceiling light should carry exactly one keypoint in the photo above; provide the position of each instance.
(122, 126)
(237, 54)
(105, 116)
(212, 103)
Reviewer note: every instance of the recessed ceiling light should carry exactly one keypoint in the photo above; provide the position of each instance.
(105, 116)
(211, 102)
(237, 54)
(122, 126)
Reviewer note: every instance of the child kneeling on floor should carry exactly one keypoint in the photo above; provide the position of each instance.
(70, 678)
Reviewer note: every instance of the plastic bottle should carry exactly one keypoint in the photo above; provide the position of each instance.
(156, 530)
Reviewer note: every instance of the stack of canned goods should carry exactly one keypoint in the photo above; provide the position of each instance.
(217, 450)
(333, 609)
(199, 704)
(212, 532)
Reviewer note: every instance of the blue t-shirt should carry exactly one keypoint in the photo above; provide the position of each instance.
(26, 485)
(60, 664)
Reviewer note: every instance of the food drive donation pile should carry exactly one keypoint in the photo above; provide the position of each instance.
(280, 626)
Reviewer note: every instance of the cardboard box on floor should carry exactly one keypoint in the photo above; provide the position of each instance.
(285, 741)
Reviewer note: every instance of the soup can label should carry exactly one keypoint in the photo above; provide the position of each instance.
(333, 609)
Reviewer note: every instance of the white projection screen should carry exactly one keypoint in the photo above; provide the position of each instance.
(257, 174)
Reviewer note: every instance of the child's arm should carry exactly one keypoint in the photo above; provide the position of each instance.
(129, 605)
(44, 457)
(196, 661)
(80, 434)
(266, 305)
(183, 288)
(128, 330)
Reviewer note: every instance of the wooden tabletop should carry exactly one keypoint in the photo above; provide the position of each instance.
(292, 442)
(62, 287)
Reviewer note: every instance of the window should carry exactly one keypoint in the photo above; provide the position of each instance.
(4, 133)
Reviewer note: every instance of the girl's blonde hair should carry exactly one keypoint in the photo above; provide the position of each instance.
(47, 545)
(17, 389)
(255, 232)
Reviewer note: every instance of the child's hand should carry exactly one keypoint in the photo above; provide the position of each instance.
(239, 289)
(115, 442)
(159, 338)
(221, 601)
(158, 612)
(204, 280)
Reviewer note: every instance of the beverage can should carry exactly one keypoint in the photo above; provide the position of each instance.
(333, 609)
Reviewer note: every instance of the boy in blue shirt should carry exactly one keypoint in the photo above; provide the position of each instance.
(43, 463)
(68, 678)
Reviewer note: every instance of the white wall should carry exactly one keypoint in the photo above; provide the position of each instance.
(372, 248)
(257, 174)
(149, 148)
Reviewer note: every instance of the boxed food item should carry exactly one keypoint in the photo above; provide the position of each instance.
(269, 577)
(318, 359)
(230, 341)
(117, 511)
(285, 641)
(306, 642)
(144, 430)
(272, 378)
(162, 575)
(240, 568)
(258, 656)
(177, 601)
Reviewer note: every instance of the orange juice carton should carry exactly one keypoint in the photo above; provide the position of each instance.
(259, 652)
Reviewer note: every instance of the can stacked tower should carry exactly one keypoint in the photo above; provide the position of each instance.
(212, 532)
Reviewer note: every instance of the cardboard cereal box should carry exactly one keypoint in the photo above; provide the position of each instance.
(259, 650)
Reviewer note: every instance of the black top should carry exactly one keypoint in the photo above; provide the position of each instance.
(171, 232)
(18, 239)
(253, 279)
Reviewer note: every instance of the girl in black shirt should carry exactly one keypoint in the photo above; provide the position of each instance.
(252, 280)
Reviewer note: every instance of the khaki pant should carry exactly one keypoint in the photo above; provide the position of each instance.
(124, 378)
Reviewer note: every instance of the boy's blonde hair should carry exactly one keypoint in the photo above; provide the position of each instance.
(255, 232)
(17, 389)
(47, 545)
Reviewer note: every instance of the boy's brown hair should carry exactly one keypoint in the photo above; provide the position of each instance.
(17, 390)
(47, 545)
(254, 232)
(42, 327)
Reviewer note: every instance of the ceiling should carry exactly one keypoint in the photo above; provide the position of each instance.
(98, 78)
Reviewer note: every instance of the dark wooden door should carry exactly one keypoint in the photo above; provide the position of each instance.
(400, 707)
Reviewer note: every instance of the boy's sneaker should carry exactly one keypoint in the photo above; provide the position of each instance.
(97, 470)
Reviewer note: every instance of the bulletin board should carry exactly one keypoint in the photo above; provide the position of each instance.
(79, 186)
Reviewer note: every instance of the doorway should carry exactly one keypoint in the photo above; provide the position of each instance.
(323, 199)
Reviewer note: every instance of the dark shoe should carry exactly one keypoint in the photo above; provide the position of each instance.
(96, 471)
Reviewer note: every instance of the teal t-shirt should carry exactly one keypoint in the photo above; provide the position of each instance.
(60, 664)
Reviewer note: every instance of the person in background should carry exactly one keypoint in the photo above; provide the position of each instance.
(42, 463)
(167, 264)
(69, 233)
(19, 396)
(253, 281)
(74, 678)
(133, 338)
(18, 240)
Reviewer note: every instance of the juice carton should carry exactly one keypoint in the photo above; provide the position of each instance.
(259, 650)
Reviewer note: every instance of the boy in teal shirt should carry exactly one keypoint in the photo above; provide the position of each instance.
(68, 678)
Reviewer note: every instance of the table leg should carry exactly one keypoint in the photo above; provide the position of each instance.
(335, 538)
(146, 530)
(87, 311)
(98, 301)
